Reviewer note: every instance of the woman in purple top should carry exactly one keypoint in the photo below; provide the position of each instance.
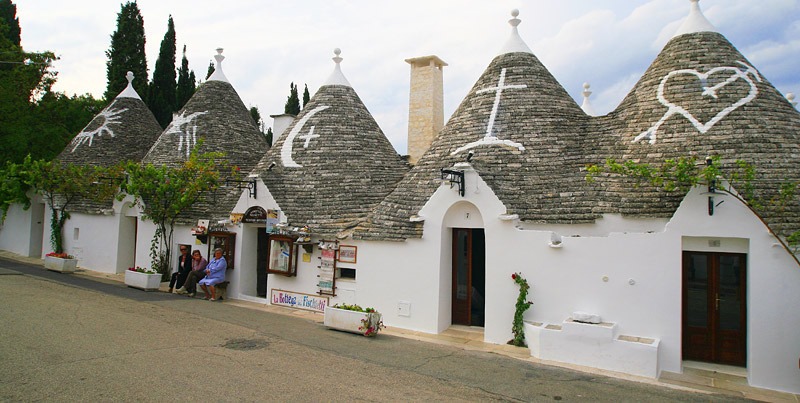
(215, 274)
(198, 272)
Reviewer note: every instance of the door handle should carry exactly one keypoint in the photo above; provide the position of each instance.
(717, 299)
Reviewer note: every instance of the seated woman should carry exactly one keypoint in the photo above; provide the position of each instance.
(184, 267)
(215, 274)
(199, 264)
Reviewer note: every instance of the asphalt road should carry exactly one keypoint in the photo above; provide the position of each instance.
(70, 338)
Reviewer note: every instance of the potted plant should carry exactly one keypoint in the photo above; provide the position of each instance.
(60, 262)
(144, 279)
(354, 319)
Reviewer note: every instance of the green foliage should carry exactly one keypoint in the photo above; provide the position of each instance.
(354, 307)
(8, 15)
(163, 193)
(517, 326)
(61, 185)
(162, 92)
(260, 125)
(685, 173)
(13, 187)
(126, 53)
(306, 96)
(292, 106)
(186, 83)
(268, 137)
(210, 69)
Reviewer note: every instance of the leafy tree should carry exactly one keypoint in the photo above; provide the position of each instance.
(161, 97)
(13, 188)
(8, 14)
(683, 174)
(186, 83)
(292, 102)
(306, 96)
(163, 193)
(61, 185)
(126, 52)
(268, 137)
(210, 69)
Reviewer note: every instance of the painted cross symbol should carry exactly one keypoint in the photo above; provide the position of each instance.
(499, 91)
(490, 138)
(308, 136)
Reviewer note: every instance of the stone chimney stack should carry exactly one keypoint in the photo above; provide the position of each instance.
(425, 104)
(279, 124)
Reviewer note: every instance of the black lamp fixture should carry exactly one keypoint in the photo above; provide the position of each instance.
(712, 191)
(454, 178)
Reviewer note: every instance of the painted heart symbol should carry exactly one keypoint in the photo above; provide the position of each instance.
(673, 108)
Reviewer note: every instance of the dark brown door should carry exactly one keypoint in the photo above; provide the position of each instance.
(714, 307)
(468, 276)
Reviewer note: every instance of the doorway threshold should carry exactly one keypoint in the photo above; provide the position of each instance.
(712, 368)
(468, 333)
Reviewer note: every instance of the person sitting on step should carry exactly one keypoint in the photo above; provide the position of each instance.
(184, 267)
(215, 274)
(199, 264)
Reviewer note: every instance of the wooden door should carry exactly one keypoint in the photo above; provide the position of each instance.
(262, 257)
(714, 307)
(468, 276)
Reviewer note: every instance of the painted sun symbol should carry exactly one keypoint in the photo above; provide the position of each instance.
(106, 118)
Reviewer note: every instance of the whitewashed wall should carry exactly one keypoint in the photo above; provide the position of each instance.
(22, 230)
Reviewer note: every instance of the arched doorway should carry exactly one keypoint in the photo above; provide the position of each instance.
(463, 225)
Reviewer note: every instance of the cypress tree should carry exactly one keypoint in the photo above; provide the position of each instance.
(293, 101)
(210, 69)
(186, 84)
(268, 137)
(8, 14)
(126, 52)
(306, 96)
(161, 99)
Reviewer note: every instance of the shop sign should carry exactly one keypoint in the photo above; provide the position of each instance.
(255, 215)
(307, 302)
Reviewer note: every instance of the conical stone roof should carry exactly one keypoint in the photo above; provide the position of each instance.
(700, 97)
(217, 115)
(333, 163)
(527, 138)
(124, 130)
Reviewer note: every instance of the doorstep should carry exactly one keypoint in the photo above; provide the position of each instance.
(724, 379)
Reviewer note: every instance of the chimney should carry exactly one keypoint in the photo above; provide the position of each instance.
(279, 124)
(425, 104)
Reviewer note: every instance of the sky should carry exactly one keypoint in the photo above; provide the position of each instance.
(269, 44)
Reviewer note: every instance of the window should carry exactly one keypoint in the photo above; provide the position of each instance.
(282, 255)
(346, 273)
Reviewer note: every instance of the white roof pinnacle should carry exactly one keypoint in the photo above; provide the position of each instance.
(129, 92)
(790, 98)
(695, 22)
(337, 78)
(218, 75)
(587, 106)
(514, 42)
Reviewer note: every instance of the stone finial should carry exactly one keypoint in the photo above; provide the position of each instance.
(129, 92)
(790, 98)
(515, 42)
(695, 22)
(587, 106)
(337, 77)
(218, 75)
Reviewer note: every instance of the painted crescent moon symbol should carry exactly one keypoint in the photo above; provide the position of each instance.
(286, 149)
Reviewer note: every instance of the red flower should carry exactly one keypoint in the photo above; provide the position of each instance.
(514, 276)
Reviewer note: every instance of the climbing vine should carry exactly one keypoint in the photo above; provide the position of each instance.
(522, 305)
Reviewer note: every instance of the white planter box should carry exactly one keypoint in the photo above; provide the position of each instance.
(60, 265)
(144, 281)
(350, 321)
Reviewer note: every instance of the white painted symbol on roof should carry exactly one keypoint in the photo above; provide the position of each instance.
(180, 126)
(490, 138)
(109, 116)
(286, 149)
(309, 136)
(736, 74)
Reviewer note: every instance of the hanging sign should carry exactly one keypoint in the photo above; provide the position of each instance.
(255, 215)
(306, 302)
(272, 221)
(327, 269)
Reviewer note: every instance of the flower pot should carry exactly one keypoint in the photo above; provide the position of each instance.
(60, 265)
(143, 281)
(352, 321)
